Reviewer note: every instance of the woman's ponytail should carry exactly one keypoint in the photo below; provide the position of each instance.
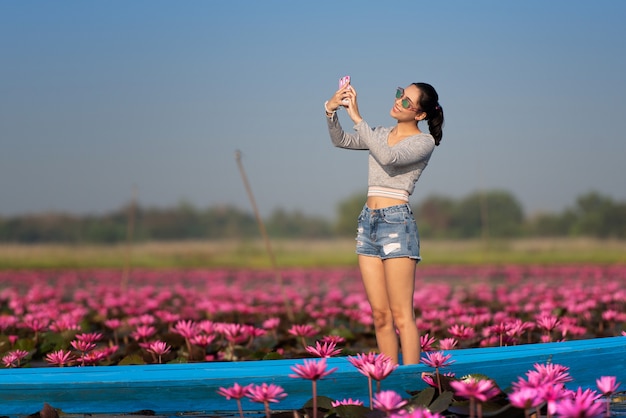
(429, 103)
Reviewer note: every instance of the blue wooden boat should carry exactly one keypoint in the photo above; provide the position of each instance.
(192, 388)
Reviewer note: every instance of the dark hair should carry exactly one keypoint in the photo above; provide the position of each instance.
(429, 103)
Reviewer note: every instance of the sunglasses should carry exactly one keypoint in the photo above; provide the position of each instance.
(406, 102)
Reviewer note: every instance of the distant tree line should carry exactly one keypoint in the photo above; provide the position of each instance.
(493, 214)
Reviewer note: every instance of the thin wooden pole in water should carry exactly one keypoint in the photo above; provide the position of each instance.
(130, 229)
(266, 239)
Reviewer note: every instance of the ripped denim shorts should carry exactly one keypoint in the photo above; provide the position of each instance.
(389, 232)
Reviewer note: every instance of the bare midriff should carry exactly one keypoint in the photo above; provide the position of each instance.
(379, 202)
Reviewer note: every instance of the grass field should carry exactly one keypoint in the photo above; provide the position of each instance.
(291, 253)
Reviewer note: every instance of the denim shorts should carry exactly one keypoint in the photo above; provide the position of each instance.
(388, 233)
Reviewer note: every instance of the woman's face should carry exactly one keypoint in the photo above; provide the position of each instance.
(406, 107)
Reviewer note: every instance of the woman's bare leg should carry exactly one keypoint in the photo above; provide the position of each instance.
(400, 282)
(373, 275)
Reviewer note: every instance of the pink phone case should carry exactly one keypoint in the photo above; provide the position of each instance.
(344, 80)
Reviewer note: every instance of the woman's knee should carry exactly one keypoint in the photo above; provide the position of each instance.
(382, 318)
(403, 320)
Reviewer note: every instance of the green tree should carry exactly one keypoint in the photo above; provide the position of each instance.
(599, 216)
(435, 216)
(296, 225)
(348, 211)
(494, 214)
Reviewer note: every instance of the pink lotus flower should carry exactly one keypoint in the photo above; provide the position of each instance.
(323, 350)
(581, 405)
(427, 342)
(89, 337)
(236, 333)
(437, 360)
(549, 373)
(480, 390)
(335, 339)
(608, 385)
(60, 358)
(448, 343)
(346, 402)
(548, 323)
(158, 348)
(552, 394)
(266, 394)
(14, 358)
(113, 323)
(236, 392)
(83, 346)
(525, 398)
(202, 340)
(143, 332)
(7, 321)
(187, 329)
(375, 367)
(380, 369)
(388, 401)
(360, 359)
(302, 332)
(63, 324)
(462, 332)
(271, 323)
(312, 370)
(93, 357)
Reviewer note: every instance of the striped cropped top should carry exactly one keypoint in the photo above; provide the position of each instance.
(393, 170)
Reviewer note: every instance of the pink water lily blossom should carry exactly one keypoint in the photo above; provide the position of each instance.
(60, 358)
(159, 349)
(143, 332)
(427, 342)
(448, 343)
(303, 332)
(608, 385)
(437, 360)
(380, 368)
(476, 390)
(525, 398)
(90, 337)
(346, 402)
(325, 350)
(266, 394)
(236, 392)
(83, 346)
(14, 358)
(582, 404)
(388, 401)
(312, 370)
(335, 339)
(187, 329)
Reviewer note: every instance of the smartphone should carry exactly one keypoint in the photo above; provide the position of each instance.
(343, 81)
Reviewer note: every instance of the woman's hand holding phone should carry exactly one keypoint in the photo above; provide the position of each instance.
(346, 97)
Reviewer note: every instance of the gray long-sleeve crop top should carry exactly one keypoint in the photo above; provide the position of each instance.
(393, 170)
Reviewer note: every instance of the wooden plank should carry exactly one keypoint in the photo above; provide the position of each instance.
(176, 388)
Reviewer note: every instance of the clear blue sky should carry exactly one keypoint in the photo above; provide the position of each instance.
(100, 97)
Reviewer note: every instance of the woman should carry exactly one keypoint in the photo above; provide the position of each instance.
(387, 237)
